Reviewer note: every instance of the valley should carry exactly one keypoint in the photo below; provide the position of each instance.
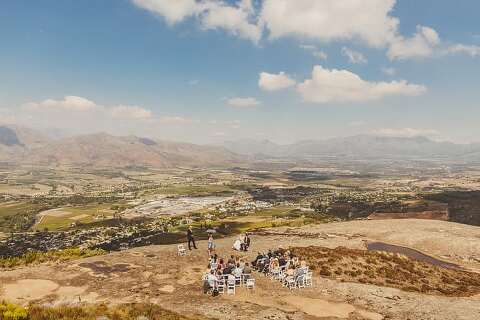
(380, 236)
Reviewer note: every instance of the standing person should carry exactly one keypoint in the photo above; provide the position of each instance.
(190, 238)
(211, 245)
(246, 242)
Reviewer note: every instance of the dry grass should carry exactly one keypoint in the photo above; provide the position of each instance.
(92, 312)
(36, 257)
(390, 270)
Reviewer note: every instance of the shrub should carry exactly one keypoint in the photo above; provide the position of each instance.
(10, 311)
(36, 257)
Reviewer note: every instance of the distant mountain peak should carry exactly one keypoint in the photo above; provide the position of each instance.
(8, 137)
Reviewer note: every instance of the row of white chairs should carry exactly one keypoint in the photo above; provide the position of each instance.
(305, 279)
(227, 284)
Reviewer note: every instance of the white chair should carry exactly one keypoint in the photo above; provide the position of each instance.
(221, 286)
(290, 282)
(275, 273)
(181, 251)
(245, 277)
(231, 286)
(238, 280)
(300, 282)
(309, 279)
(250, 283)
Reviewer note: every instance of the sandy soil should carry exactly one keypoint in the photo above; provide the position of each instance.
(155, 274)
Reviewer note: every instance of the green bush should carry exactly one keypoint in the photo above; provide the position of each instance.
(93, 312)
(9, 311)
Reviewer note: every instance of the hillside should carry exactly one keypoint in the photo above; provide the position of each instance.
(359, 147)
(24, 146)
(362, 285)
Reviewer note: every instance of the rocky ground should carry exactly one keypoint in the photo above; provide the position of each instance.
(155, 274)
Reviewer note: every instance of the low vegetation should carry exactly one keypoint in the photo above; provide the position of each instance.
(390, 270)
(50, 256)
(18, 216)
(10, 311)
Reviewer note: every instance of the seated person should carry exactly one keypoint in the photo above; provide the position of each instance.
(209, 282)
(221, 264)
(228, 269)
(259, 257)
(231, 277)
(282, 261)
(247, 269)
(289, 274)
(294, 262)
(238, 271)
(265, 265)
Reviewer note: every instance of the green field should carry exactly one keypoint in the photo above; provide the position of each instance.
(189, 190)
(82, 215)
(16, 216)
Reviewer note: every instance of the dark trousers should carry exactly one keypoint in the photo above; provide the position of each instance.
(191, 241)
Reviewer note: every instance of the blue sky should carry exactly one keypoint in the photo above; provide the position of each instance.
(190, 70)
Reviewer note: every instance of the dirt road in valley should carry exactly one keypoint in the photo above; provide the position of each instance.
(155, 274)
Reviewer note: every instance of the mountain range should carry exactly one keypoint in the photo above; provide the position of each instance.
(358, 147)
(19, 145)
(25, 146)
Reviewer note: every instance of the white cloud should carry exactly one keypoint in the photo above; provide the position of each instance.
(353, 56)
(369, 22)
(174, 120)
(320, 55)
(231, 18)
(72, 103)
(243, 102)
(331, 20)
(308, 47)
(212, 14)
(7, 119)
(273, 82)
(389, 71)
(173, 11)
(315, 52)
(405, 132)
(344, 86)
(130, 112)
(421, 44)
(470, 50)
(91, 110)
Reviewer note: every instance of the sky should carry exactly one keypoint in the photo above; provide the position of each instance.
(207, 71)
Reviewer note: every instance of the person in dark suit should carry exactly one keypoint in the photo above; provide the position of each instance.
(190, 238)
(246, 242)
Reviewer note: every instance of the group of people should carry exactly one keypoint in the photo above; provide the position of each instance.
(282, 265)
(279, 264)
(220, 269)
(242, 244)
